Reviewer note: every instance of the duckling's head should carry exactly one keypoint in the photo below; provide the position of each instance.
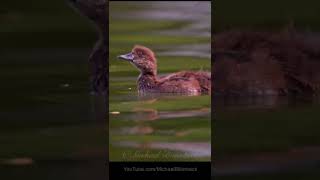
(143, 58)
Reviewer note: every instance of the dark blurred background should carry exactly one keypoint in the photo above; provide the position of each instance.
(264, 138)
(272, 14)
(48, 128)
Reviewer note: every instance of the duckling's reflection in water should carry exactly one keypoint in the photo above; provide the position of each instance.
(139, 130)
(151, 114)
(144, 114)
(189, 149)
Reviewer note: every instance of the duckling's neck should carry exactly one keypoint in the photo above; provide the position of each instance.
(147, 81)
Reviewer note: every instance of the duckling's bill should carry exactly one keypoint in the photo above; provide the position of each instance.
(127, 57)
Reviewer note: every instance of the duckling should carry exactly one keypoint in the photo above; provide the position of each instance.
(183, 82)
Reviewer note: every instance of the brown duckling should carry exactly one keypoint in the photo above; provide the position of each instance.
(183, 82)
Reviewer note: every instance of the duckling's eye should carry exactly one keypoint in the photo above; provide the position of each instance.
(140, 53)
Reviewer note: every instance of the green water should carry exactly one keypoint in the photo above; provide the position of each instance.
(159, 128)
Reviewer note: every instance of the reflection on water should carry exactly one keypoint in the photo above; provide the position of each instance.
(144, 114)
(139, 115)
(140, 129)
(156, 129)
(189, 148)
